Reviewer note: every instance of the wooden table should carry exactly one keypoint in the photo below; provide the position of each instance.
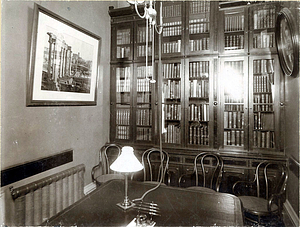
(179, 207)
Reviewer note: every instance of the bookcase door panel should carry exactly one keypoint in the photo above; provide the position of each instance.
(143, 35)
(199, 106)
(264, 105)
(234, 35)
(234, 99)
(123, 103)
(199, 27)
(172, 103)
(262, 26)
(122, 40)
(172, 35)
(143, 102)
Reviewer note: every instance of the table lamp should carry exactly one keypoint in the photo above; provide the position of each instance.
(126, 163)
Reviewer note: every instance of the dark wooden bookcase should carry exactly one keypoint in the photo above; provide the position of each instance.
(220, 84)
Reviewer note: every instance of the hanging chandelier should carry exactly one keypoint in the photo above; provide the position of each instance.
(151, 25)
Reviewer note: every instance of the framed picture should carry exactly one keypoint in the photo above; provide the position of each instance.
(64, 62)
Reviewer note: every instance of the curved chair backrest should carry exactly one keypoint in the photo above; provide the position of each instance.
(271, 178)
(107, 155)
(155, 164)
(211, 168)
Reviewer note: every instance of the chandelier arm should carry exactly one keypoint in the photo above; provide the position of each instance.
(146, 76)
(137, 11)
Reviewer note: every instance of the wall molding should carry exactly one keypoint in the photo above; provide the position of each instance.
(291, 213)
(25, 170)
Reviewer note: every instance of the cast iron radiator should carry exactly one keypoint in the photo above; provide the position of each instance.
(38, 201)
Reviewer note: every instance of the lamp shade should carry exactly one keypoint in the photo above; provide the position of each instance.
(126, 162)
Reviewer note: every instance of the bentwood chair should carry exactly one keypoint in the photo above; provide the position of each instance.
(263, 198)
(155, 165)
(207, 175)
(101, 172)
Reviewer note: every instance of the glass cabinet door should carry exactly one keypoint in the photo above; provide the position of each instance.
(264, 103)
(235, 31)
(199, 93)
(121, 47)
(234, 97)
(144, 103)
(172, 130)
(122, 103)
(199, 27)
(172, 36)
(141, 37)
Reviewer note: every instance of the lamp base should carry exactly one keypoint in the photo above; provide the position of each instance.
(125, 206)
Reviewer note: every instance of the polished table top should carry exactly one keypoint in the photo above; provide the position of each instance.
(178, 206)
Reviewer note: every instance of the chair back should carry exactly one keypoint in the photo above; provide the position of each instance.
(271, 178)
(208, 166)
(155, 164)
(107, 155)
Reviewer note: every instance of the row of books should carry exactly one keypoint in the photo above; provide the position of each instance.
(143, 85)
(173, 10)
(263, 121)
(199, 7)
(141, 50)
(123, 52)
(234, 138)
(143, 97)
(262, 83)
(123, 79)
(172, 29)
(199, 112)
(263, 66)
(142, 36)
(262, 108)
(199, 44)
(123, 85)
(233, 120)
(199, 69)
(199, 88)
(263, 98)
(264, 18)
(122, 132)
(123, 36)
(231, 99)
(141, 71)
(198, 135)
(172, 134)
(123, 116)
(171, 47)
(234, 22)
(264, 139)
(264, 40)
(172, 111)
(143, 134)
(171, 70)
(172, 89)
(237, 66)
(144, 117)
(199, 26)
(238, 107)
(123, 97)
(234, 42)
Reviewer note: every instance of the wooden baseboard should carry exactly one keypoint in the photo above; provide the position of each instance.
(89, 188)
(291, 213)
